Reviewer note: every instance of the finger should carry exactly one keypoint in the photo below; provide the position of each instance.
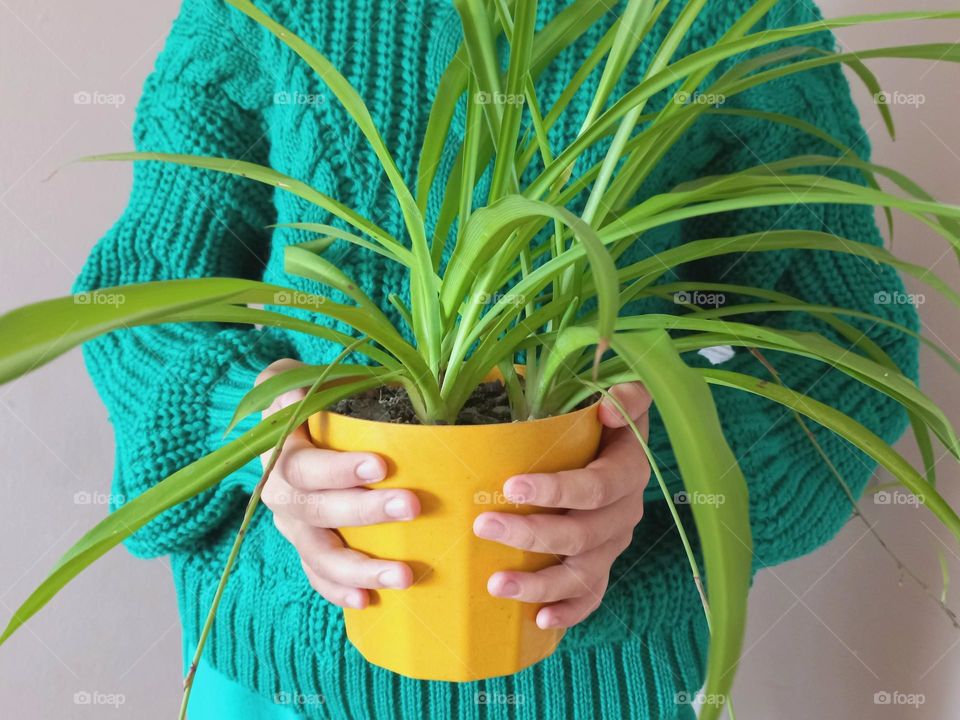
(576, 576)
(635, 400)
(309, 468)
(339, 595)
(620, 470)
(572, 533)
(323, 552)
(343, 508)
(307, 541)
(567, 613)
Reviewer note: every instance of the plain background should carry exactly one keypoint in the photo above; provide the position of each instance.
(826, 632)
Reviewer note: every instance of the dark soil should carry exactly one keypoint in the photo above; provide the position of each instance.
(487, 405)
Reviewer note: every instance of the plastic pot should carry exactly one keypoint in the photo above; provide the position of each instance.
(447, 626)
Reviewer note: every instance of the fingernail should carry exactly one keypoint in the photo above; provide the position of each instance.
(354, 600)
(545, 621)
(370, 471)
(392, 578)
(493, 529)
(510, 589)
(397, 509)
(520, 491)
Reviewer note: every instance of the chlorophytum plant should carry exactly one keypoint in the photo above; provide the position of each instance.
(555, 276)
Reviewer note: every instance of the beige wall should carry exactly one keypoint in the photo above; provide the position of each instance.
(826, 632)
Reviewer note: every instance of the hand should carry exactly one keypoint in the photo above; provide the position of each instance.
(312, 491)
(604, 503)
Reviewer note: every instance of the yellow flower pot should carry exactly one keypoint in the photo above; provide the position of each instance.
(447, 626)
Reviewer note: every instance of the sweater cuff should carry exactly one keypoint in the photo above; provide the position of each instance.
(225, 396)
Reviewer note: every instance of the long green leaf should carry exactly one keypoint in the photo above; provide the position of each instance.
(179, 487)
(43, 331)
(709, 469)
(424, 285)
(261, 174)
(848, 429)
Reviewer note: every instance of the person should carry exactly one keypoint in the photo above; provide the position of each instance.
(637, 637)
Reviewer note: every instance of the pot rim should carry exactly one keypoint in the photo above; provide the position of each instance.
(541, 422)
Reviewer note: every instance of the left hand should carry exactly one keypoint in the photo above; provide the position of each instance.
(604, 503)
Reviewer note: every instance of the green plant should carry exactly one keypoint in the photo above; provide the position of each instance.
(557, 287)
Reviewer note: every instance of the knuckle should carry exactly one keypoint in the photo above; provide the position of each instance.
(550, 491)
(269, 496)
(522, 534)
(594, 476)
(316, 509)
(535, 591)
(598, 493)
(293, 469)
(331, 472)
(369, 509)
(578, 541)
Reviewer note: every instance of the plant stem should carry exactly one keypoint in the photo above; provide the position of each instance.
(244, 525)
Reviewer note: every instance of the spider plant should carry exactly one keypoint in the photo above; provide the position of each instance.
(527, 279)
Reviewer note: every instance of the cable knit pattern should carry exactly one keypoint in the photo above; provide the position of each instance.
(224, 87)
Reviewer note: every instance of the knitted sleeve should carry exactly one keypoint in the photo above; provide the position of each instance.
(796, 502)
(170, 390)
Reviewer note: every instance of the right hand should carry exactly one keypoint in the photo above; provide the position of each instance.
(312, 491)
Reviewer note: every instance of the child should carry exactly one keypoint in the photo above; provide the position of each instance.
(637, 638)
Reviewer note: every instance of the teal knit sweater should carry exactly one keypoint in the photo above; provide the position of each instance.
(223, 87)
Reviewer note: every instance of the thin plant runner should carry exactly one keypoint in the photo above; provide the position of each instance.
(523, 276)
